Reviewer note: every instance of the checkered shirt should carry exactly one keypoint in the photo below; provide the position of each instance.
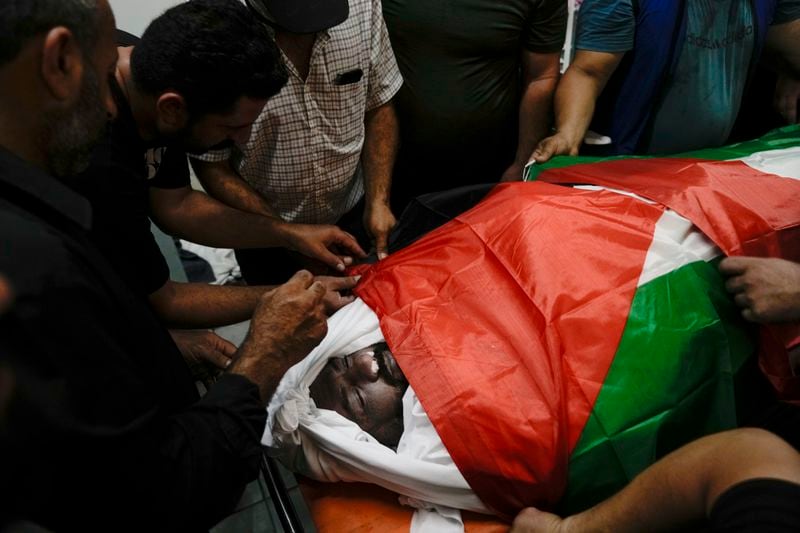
(304, 151)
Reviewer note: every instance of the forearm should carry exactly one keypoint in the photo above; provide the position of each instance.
(577, 94)
(782, 51)
(534, 116)
(682, 488)
(381, 141)
(222, 182)
(197, 217)
(197, 305)
(574, 104)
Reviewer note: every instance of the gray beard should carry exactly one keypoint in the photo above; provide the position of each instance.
(70, 137)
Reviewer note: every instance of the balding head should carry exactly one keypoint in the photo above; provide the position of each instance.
(22, 20)
(55, 58)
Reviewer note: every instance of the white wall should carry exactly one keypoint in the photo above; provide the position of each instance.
(134, 15)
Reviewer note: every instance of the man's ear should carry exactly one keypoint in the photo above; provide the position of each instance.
(171, 112)
(63, 64)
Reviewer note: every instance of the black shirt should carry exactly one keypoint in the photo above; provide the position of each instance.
(105, 429)
(459, 105)
(117, 186)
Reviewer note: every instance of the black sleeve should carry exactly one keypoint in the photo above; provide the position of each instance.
(121, 226)
(758, 504)
(170, 166)
(104, 425)
(546, 27)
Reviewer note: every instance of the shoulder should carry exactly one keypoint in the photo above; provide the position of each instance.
(606, 25)
(363, 15)
(33, 255)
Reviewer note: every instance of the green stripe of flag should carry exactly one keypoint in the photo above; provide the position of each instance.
(786, 137)
(671, 381)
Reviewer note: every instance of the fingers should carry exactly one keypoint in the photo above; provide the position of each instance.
(225, 347)
(735, 284)
(544, 151)
(349, 244)
(318, 290)
(382, 245)
(340, 241)
(742, 300)
(731, 266)
(334, 300)
(217, 358)
(302, 279)
(787, 108)
(334, 261)
(787, 94)
(345, 283)
(531, 520)
(749, 315)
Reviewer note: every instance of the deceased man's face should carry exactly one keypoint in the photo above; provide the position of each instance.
(366, 387)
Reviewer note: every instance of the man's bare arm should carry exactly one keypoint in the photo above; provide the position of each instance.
(221, 181)
(197, 217)
(575, 101)
(378, 156)
(782, 47)
(197, 305)
(680, 489)
(539, 80)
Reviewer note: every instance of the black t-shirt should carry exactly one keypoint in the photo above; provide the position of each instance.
(459, 104)
(117, 184)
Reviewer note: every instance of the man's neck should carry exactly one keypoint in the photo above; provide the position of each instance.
(298, 48)
(142, 106)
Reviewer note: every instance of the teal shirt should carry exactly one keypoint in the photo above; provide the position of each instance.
(701, 100)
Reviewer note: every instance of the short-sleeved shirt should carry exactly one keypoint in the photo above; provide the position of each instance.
(117, 184)
(706, 87)
(460, 61)
(304, 151)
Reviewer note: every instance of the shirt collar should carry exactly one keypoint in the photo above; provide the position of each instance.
(46, 189)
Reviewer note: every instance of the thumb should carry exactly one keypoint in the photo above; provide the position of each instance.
(225, 347)
(216, 354)
(381, 245)
(543, 152)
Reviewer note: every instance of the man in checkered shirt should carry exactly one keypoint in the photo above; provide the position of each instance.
(328, 139)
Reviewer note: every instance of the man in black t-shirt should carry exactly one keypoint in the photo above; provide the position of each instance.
(478, 84)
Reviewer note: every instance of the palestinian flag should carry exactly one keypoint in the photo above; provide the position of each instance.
(562, 339)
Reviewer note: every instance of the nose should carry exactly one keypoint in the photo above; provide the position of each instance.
(364, 367)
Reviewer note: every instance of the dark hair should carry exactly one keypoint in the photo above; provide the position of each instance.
(22, 20)
(211, 52)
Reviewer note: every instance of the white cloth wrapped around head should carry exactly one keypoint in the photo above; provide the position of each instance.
(326, 446)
